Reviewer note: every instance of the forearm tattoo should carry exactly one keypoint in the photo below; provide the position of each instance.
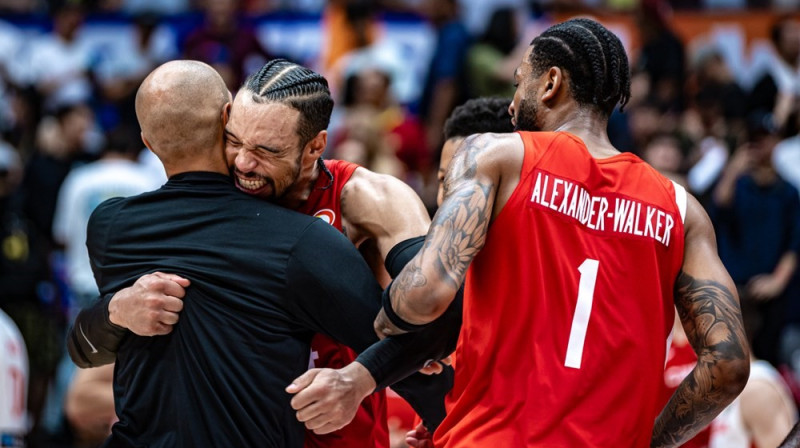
(712, 318)
(458, 231)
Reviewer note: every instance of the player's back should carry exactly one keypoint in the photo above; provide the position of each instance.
(568, 306)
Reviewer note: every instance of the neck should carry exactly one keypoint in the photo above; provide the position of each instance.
(212, 161)
(589, 126)
(302, 188)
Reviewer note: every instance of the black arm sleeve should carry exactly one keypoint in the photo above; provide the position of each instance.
(93, 340)
(340, 297)
(437, 339)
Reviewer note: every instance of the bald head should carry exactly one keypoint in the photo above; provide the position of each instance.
(179, 107)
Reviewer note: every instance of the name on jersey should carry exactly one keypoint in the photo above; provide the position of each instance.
(602, 213)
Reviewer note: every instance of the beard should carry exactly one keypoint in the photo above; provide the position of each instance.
(294, 177)
(527, 118)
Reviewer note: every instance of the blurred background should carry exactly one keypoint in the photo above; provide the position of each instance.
(715, 107)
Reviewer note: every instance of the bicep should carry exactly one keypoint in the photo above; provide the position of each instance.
(384, 209)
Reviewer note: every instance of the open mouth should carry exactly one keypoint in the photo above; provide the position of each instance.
(251, 185)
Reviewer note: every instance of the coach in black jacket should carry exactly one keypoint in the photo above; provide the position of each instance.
(263, 280)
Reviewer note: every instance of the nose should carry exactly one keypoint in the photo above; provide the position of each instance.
(244, 161)
(511, 108)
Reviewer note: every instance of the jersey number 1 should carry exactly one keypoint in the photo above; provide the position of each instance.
(583, 309)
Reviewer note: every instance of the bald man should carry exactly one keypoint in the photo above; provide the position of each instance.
(260, 288)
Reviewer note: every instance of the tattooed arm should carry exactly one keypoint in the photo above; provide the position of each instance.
(708, 307)
(477, 184)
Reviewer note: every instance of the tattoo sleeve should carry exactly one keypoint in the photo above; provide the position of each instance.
(457, 233)
(712, 318)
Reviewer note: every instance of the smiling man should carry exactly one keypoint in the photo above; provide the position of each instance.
(274, 140)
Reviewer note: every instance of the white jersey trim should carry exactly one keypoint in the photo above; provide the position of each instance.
(681, 199)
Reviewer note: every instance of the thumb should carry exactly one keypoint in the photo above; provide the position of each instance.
(173, 277)
(302, 381)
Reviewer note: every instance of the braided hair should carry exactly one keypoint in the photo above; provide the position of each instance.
(599, 76)
(281, 81)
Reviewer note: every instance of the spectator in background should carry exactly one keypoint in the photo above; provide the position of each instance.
(661, 58)
(348, 26)
(120, 69)
(488, 59)
(400, 147)
(444, 86)
(778, 90)
(757, 218)
(786, 157)
(57, 63)
(226, 42)
(13, 384)
(62, 143)
(23, 274)
(711, 74)
(664, 154)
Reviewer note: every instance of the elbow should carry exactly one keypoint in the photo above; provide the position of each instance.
(425, 309)
(734, 374)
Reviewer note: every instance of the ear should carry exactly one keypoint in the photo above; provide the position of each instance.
(226, 113)
(146, 143)
(317, 145)
(553, 80)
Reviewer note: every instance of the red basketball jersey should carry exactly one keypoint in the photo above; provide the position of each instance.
(568, 307)
(368, 428)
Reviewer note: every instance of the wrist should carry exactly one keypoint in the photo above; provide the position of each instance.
(114, 314)
(360, 376)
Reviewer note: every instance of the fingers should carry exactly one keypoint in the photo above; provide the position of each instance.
(174, 278)
(300, 383)
(321, 422)
(168, 318)
(433, 368)
(172, 304)
(166, 284)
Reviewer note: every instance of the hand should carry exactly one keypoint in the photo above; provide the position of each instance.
(327, 399)
(384, 327)
(150, 307)
(419, 437)
(436, 367)
(765, 287)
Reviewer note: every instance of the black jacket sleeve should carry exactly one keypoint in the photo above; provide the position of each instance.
(93, 340)
(339, 296)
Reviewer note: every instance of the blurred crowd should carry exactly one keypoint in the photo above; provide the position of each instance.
(728, 130)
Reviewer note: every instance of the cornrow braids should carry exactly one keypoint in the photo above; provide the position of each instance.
(599, 75)
(282, 81)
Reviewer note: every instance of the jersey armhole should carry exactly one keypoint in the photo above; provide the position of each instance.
(681, 199)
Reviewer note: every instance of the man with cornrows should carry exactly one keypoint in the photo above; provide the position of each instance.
(572, 255)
